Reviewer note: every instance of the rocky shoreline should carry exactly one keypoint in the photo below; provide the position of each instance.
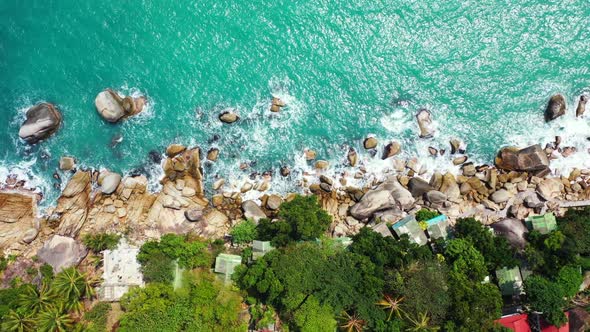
(517, 185)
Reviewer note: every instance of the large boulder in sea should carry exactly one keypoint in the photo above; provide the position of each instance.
(388, 195)
(42, 120)
(61, 252)
(425, 123)
(531, 159)
(113, 107)
(555, 108)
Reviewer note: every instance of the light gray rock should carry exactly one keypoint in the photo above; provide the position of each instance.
(108, 106)
(252, 211)
(61, 252)
(418, 187)
(30, 235)
(388, 195)
(372, 201)
(425, 123)
(512, 230)
(193, 215)
(500, 196)
(110, 182)
(532, 201)
(435, 197)
(549, 189)
(42, 121)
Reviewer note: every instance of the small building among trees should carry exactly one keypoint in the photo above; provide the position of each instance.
(410, 226)
(121, 271)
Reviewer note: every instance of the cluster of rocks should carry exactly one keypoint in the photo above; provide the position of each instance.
(97, 201)
(113, 108)
(557, 107)
(44, 119)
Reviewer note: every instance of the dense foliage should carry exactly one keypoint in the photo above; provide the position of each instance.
(97, 317)
(378, 283)
(496, 250)
(201, 304)
(101, 241)
(426, 214)
(49, 307)
(244, 232)
(157, 257)
(301, 219)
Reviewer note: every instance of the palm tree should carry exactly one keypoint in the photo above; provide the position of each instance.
(37, 299)
(392, 305)
(54, 320)
(69, 283)
(352, 323)
(422, 323)
(18, 322)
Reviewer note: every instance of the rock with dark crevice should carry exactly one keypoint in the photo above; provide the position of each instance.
(42, 120)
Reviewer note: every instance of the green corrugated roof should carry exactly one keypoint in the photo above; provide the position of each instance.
(509, 280)
(543, 224)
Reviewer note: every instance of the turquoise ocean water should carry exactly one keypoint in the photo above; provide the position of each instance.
(347, 69)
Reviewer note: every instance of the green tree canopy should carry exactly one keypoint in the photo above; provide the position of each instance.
(201, 304)
(244, 232)
(289, 277)
(546, 297)
(387, 252)
(301, 219)
(495, 250)
(157, 257)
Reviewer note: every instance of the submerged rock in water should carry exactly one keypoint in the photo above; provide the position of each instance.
(116, 139)
(285, 170)
(42, 121)
(352, 157)
(531, 159)
(155, 157)
(370, 143)
(581, 105)
(277, 104)
(228, 116)
(67, 163)
(425, 123)
(213, 154)
(113, 107)
(555, 108)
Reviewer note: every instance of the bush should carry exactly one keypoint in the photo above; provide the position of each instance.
(301, 219)
(101, 241)
(426, 214)
(157, 257)
(201, 304)
(158, 268)
(244, 232)
(97, 317)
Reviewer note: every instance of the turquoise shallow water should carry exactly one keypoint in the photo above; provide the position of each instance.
(347, 69)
